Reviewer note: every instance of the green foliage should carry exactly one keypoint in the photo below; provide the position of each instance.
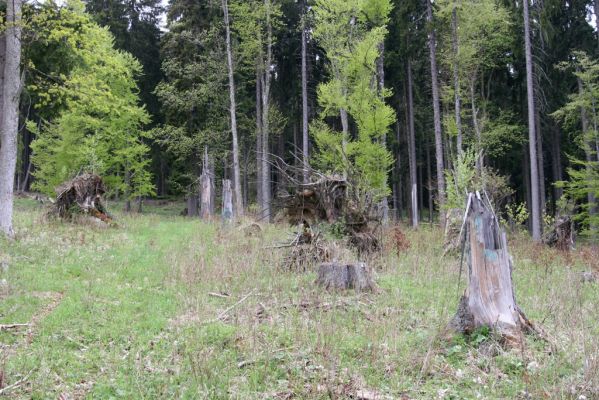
(460, 180)
(99, 128)
(517, 212)
(583, 186)
(464, 178)
(352, 49)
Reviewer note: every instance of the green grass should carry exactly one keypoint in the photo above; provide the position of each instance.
(129, 312)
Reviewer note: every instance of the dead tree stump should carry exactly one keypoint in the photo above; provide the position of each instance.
(227, 211)
(334, 276)
(206, 195)
(489, 298)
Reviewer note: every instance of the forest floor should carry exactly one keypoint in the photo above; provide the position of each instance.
(166, 307)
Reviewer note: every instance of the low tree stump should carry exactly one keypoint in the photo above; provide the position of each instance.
(335, 276)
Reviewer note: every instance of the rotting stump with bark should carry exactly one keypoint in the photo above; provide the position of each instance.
(489, 299)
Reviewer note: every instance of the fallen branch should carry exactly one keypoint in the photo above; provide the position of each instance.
(220, 295)
(16, 384)
(244, 298)
(6, 327)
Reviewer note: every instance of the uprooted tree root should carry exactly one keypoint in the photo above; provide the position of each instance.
(332, 199)
(81, 196)
(305, 250)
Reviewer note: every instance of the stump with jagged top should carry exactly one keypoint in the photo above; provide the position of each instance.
(489, 298)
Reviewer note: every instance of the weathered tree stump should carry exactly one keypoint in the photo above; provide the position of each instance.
(334, 276)
(489, 298)
(227, 211)
(205, 195)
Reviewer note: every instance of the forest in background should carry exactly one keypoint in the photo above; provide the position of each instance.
(421, 101)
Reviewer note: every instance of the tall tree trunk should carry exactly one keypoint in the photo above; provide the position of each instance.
(397, 193)
(232, 109)
(9, 124)
(258, 138)
(432, 44)
(266, 187)
(534, 170)
(429, 183)
(127, 207)
(412, 148)
(305, 143)
(556, 163)
(541, 162)
(2, 60)
(380, 72)
(479, 158)
(456, 79)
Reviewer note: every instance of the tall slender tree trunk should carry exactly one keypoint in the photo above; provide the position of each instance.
(9, 122)
(479, 158)
(541, 162)
(397, 193)
(429, 183)
(258, 138)
(432, 44)
(556, 163)
(380, 72)
(305, 143)
(534, 171)
(232, 109)
(412, 148)
(456, 79)
(266, 187)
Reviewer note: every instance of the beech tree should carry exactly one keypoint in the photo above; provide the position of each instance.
(10, 87)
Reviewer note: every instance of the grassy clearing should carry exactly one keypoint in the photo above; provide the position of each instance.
(133, 312)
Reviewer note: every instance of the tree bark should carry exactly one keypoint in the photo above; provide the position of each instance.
(412, 148)
(432, 44)
(258, 137)
(232, 109)
(534, 171)
(456, 79)
(266, 187)
(11, 89)
(305, 143)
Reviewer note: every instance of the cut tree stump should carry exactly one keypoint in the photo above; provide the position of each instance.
(335, 276)
(489, 298)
